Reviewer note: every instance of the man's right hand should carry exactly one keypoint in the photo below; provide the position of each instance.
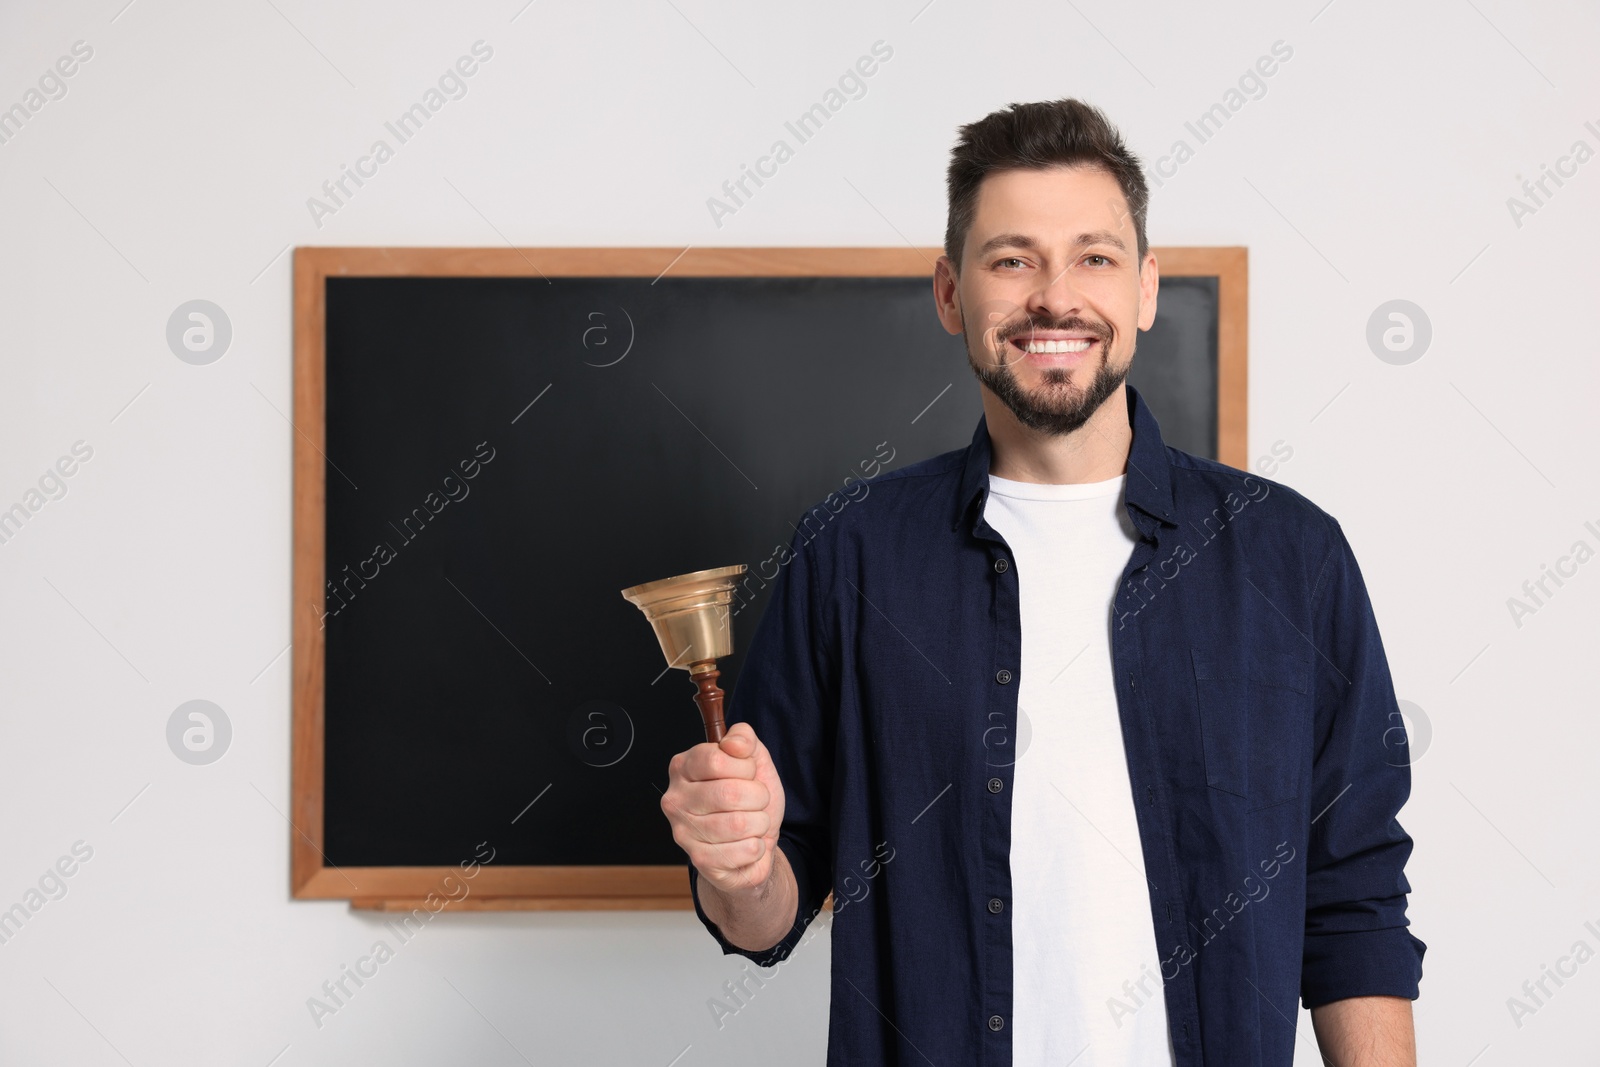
(725, 804)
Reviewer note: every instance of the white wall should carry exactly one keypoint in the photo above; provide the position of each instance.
(1377, 166)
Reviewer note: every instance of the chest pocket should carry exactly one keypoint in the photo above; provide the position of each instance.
(1255, 713)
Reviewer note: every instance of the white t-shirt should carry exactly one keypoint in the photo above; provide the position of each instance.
(1086, 971)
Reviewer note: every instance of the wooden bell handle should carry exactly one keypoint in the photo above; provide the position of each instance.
(708, 695)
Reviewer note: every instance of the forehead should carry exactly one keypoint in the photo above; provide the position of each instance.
(1050, 202)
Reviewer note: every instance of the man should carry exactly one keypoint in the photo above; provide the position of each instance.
(1084, 733)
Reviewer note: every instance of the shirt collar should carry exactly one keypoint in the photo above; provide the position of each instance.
(1149, 485)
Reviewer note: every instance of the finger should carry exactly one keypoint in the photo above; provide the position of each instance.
(725, 827)
(708, 762)
(723, 794)
(733, 865)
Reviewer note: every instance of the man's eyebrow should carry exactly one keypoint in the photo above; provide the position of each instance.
(1022, 240)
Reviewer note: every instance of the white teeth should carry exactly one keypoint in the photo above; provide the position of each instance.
(1049, 348)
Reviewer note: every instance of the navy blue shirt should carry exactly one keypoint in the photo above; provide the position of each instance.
(1258, 716)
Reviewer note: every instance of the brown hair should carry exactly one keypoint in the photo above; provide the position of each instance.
(1052, 133)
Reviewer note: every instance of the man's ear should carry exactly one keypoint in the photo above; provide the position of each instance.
(948, 309)
(1149, 288)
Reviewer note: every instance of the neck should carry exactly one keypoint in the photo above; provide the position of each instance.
(1094, 452)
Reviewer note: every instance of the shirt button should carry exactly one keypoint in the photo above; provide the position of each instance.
(996, 905)
(995, 785)
(1003, 676)
(1000, 566)
(996, 1023)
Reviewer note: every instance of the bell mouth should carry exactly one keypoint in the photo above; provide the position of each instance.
(684, 585)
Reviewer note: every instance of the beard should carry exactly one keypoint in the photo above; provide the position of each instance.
(1057, 406)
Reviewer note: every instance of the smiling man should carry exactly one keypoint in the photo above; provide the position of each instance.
(1085, 733)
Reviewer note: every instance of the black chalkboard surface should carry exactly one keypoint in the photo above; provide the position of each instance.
(504, 454)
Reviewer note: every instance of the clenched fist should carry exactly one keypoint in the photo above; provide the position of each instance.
(725, 804)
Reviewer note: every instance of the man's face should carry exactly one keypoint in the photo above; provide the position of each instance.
(1051, 295)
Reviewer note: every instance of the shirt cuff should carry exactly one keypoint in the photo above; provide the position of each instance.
(1361, 963)
(779, 952)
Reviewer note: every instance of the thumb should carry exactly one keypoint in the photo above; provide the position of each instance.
(740, 741)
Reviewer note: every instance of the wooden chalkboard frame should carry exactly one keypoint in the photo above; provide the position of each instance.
(312, 877)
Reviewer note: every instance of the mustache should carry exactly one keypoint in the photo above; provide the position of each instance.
(1095, 329)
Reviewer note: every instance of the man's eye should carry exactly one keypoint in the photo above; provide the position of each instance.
(1098, 256)
(1008, 259)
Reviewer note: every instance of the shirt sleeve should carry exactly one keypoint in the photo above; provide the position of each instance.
(788, 692)
(1356, 937)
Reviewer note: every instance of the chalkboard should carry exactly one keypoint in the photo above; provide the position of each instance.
(501, 440)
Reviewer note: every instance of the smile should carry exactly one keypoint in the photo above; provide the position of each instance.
(1060, 351)
(1037, 347)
